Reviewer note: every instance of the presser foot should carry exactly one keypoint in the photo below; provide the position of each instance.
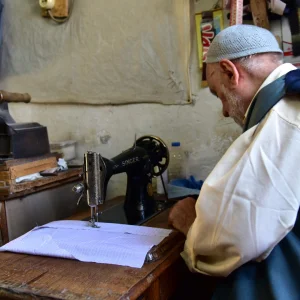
(93, 220)
(93, 224)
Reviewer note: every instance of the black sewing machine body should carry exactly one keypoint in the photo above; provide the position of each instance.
(148, 158)
(135, 162)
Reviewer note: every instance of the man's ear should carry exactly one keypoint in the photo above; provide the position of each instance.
(230, 72)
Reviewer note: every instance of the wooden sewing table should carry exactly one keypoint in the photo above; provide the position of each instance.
(27, 277)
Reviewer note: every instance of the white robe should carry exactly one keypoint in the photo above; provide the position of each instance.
(249, 202)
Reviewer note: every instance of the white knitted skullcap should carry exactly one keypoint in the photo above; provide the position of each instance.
(241, 40)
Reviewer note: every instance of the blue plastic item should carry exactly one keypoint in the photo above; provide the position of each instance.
(175, 144)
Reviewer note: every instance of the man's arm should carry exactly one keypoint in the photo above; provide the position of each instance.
(183, 214)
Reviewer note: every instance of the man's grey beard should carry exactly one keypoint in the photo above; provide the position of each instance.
(234, 103)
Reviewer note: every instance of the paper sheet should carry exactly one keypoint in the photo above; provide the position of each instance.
(125, 245)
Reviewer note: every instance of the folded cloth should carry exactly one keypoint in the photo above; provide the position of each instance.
(190, 183)
(181, 188)
(178, 192)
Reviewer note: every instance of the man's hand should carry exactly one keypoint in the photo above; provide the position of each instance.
(183, 214)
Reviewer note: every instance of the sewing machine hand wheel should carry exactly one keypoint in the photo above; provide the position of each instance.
(158, 153)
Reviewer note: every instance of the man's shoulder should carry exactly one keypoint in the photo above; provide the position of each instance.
(284, 117)
(288, 109)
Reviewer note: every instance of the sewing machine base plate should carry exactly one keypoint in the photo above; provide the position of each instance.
(116, 214)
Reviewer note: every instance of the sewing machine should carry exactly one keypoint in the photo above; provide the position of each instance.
(148, 158)
(20, 140)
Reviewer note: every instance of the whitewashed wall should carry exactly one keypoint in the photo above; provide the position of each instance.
(199, 127)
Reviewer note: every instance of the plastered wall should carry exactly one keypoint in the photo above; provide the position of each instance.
(200, 128)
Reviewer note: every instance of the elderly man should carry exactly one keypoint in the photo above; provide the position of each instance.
(244, 224)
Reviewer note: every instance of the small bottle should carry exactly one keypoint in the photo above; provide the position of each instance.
(159, 185)
(176, 168)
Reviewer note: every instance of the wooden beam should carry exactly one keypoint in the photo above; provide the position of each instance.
(259, 13)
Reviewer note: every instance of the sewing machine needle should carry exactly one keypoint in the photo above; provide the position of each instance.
(94, 216)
